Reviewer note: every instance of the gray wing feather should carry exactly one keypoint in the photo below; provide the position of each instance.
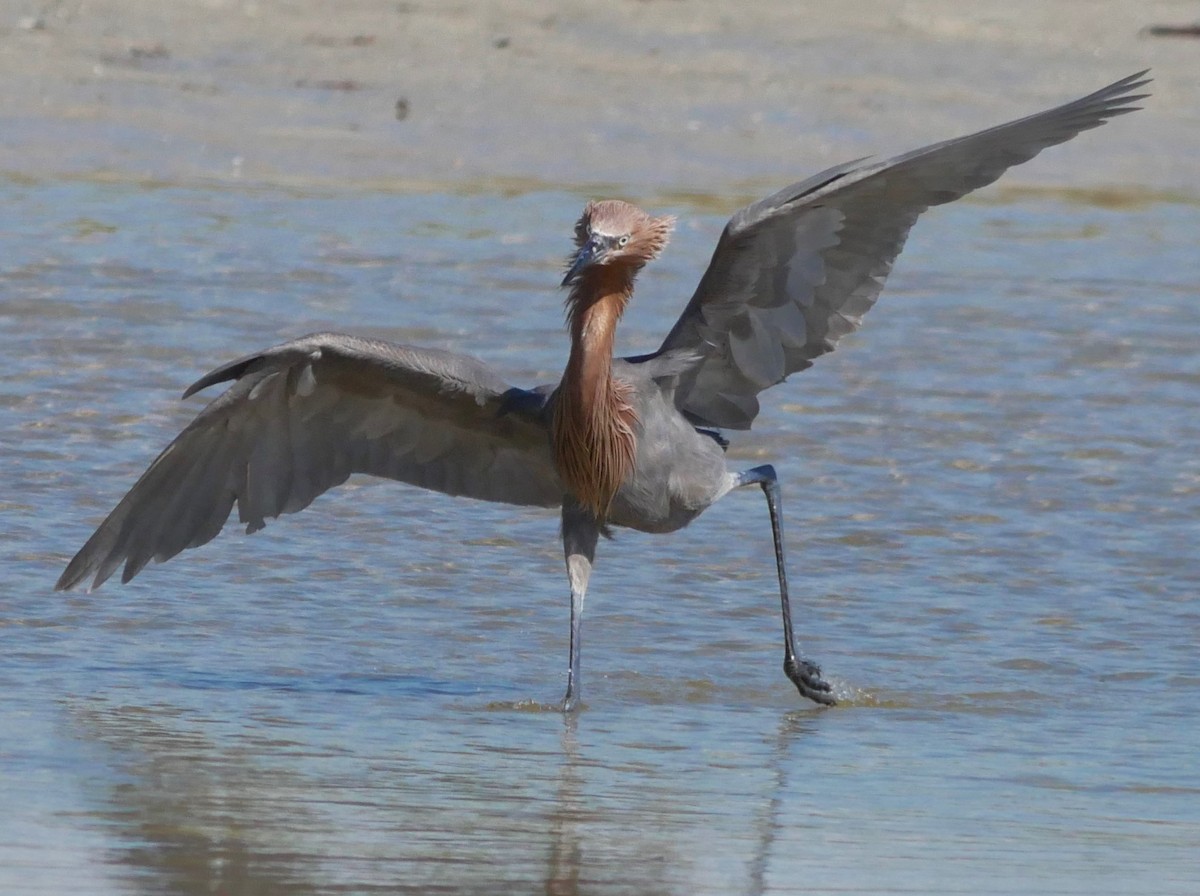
(300, 419)
(795, 272)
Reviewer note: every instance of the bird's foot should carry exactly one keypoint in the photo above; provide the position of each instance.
(806, 676)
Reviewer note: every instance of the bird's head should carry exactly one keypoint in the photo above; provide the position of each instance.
(615, 233)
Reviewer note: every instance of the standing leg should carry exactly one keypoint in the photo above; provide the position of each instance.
(579, 533)
(805, 675)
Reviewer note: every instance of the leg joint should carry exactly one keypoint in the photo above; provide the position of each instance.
(764, 476)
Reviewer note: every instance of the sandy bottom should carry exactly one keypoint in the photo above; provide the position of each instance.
(657, 95)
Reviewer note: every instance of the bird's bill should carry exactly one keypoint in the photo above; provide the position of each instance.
(588, 253)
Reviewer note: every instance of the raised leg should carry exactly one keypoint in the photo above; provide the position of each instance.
(804, 674)
(580, 534)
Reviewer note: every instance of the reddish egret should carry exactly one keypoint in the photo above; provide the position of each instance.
(631, 442)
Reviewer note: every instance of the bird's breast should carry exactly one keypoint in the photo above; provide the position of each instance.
(595, 441)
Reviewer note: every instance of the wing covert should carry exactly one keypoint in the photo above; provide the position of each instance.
(300, 418)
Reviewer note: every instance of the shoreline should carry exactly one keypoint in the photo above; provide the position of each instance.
(676, 96)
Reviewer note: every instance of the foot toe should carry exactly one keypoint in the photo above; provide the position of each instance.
(806, 676)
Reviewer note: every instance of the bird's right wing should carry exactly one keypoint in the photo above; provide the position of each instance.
(303, 416)
(797, 271)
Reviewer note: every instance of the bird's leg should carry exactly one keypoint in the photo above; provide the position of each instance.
(804, 674)
(580, 533)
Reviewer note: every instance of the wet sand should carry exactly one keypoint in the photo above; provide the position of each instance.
(649, 95)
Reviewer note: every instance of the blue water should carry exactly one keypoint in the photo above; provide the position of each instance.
(992, 499)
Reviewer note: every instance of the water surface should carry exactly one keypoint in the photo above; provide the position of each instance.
(991, 499)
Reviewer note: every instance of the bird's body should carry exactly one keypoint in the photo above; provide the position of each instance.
(678, 471)
(619, 442)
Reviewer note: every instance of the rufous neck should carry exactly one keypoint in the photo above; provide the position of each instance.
(594, 421)
(594, 308)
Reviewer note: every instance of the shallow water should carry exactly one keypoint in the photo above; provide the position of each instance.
(992, 497)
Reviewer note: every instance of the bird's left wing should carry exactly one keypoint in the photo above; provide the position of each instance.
(797, 271)
(300, 418)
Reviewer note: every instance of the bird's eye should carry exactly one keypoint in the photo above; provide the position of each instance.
(622, 242)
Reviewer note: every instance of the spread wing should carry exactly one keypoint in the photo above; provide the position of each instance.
(300, 418)
(794, 273)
